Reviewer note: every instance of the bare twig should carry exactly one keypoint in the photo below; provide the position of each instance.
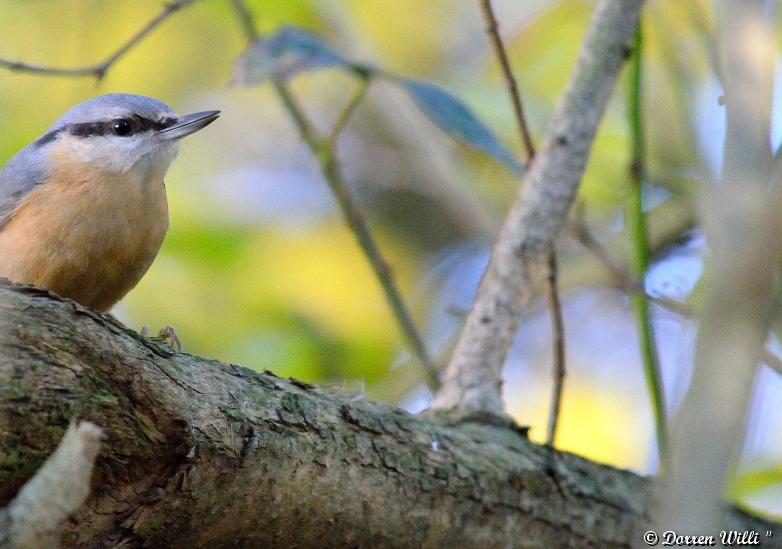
(624, 281)
(584, 236)
(558, 331)
(623, 278)
(474, 376)
(667, 222)
(99, 70)
(552, 291)
(36, 516)
(324, 151)
(493, 30)
(246, 20)
(347, 112)
(297, 114)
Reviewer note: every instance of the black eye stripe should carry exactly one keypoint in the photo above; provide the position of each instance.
(142, 124)
(139, 124)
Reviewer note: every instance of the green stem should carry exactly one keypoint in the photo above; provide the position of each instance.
(325, 153)
(640, 257)
(347, 112)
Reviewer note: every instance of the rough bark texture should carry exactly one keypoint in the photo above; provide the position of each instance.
(204, 454)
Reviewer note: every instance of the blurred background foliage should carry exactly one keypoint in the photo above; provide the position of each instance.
(259, 269)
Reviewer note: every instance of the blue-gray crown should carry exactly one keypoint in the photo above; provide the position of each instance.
(111, 105)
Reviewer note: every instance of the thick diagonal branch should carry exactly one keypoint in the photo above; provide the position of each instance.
(474, 376)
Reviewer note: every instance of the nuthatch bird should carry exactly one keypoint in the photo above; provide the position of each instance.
(83, 208)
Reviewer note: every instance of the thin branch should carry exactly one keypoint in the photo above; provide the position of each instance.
(473, 380)
(325, 153)
(558, 330)
(625, 282)
(324, 150)
(36, 516)
(637, 221)
(299, 118)
(246, 20)
(99, 70)
(584, 236)
(493, 30)
(552, 291)
(347, 112)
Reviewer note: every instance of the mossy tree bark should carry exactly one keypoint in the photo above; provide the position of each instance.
(199, 453)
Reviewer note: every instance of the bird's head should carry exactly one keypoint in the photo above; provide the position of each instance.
(121, 132)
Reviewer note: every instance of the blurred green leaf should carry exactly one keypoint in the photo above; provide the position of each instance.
(745, 484)
(284, 54)
(292, 50)
(452, 116)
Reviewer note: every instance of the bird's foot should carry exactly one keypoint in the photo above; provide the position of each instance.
(167, 335)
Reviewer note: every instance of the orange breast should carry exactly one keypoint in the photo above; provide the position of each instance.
(86, 235)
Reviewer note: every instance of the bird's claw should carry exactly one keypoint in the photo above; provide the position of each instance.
(167, 335)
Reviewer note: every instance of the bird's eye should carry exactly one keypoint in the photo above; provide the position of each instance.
(122, 127)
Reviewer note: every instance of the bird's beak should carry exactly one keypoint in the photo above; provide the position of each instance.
(187, 124)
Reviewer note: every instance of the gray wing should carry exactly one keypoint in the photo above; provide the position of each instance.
(24, 171)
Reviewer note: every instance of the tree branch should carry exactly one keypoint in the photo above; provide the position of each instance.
(36, 516)
(552, 276)
(324, 151)
(200, 453)
(99, 70)
(558, 347)
(625, 282)
(493, 30)
(246, 20)
(474, 376)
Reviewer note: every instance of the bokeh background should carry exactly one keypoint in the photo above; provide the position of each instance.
(259, 269)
